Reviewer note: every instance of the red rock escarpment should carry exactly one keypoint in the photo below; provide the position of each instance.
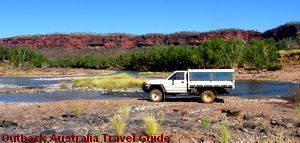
(94, 41)
(283, 31)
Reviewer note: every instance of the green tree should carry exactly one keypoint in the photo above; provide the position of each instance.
(234, 52)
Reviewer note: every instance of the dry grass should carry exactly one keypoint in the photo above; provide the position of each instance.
(119, 81)
(118, 124)
(296, 95)
(152, 124)
(7, 70)
(29, 73)
(124, 111)
(164, 74)
(279, 138)
(297, 111)
(289, 52)
(224, 133)
(62, 85)
(119, 119)
(77, 108)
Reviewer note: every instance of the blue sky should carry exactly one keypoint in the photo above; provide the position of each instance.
(27, 17)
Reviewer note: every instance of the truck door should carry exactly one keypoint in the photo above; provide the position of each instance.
(177, 83)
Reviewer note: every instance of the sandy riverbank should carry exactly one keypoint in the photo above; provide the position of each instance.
(287, 73)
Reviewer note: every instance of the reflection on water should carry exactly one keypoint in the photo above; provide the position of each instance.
(251, 89)
(59, 96)
(30, 81)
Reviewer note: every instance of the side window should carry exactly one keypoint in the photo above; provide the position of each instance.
(223, 76)
(200, 76)
(177, 76)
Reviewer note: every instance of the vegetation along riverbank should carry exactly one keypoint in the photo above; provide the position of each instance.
(216, 53)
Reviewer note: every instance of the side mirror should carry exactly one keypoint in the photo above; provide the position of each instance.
(172, 81)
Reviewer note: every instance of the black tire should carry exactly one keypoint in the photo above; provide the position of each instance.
(207, 96)
(156, 95)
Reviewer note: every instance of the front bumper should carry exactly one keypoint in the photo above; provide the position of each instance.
(145, 87)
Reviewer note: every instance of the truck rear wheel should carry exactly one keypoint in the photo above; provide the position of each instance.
(207, 96)
(156, 95)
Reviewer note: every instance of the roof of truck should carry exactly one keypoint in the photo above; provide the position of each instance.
(210, 70)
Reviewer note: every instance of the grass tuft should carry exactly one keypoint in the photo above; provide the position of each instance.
(152, 124)
(119, 119)
(205, 122)
(224, 133)
(297, 111)
(296, 99)
(62, 85)
(77, 109)
(277, 138)
(124, 110)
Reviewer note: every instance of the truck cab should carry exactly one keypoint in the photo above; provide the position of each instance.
(204, 82)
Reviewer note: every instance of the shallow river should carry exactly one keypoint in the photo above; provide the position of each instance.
(247, 89)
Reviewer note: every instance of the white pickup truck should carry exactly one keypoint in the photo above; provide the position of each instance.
(204, 82)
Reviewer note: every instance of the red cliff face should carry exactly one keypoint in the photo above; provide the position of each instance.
(89, 41)
(283, 31)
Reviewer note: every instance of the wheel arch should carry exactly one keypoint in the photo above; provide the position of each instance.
(202, 89)
(157, 86)
(215, 90)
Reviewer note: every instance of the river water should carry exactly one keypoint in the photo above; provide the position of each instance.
(245, 89)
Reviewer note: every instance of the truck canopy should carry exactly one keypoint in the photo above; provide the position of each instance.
(211, 78)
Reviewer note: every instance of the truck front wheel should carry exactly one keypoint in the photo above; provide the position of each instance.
(156, 95)
(207, 96)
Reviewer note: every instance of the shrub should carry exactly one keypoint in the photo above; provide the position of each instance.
(288, 44)
(22, 57)
(3, 53)
(152, 124)
(261, 53)
(273, 67)
(19, 57)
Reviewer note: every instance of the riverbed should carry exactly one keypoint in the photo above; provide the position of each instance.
(250, 112)
(244, 89)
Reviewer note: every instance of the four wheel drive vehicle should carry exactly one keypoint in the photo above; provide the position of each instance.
(204, 82)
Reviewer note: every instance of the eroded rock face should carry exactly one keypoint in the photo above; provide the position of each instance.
(283, 31)
(92, 41)
(97, 41)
